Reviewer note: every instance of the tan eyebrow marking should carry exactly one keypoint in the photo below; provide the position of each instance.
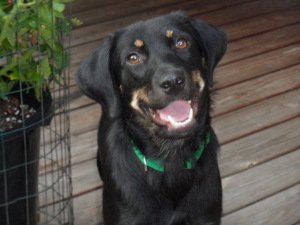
(138, 43)
(169, 33)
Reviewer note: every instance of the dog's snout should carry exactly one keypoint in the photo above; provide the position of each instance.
(172, 82)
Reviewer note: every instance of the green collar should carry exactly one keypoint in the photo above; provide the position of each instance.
(156, 164)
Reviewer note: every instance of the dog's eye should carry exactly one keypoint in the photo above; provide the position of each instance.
(134, 58)
(181, 43)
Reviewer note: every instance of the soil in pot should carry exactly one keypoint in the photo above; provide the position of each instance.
(13, 113)
(19, 158)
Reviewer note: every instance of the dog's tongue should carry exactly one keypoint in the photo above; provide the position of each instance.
(178, 110)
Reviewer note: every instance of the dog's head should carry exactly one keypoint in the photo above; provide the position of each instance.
(156, 73)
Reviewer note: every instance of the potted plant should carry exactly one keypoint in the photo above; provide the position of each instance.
(32, 57)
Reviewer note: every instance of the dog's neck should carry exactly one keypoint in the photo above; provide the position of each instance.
(168, 149)
(175, 178)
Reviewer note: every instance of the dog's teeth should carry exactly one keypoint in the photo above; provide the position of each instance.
(182, 123)
(191, 114)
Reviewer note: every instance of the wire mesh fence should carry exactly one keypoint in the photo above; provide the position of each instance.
(35, 168)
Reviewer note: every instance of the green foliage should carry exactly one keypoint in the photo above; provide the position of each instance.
(31, 47)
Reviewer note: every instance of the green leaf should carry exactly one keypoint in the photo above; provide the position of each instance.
(32, 24)
(59, 7)
(45, 69)
(5, 88)
(8, 32)
(26, 24)
(15, 76)
(37, 90)
(64, 1)
(27, 57)
(76, 22)
(46, 35)
(2, 13)
(6, 70)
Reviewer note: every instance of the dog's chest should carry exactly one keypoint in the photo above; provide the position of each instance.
(172, 186)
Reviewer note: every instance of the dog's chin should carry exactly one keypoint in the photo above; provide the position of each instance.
(178, 133)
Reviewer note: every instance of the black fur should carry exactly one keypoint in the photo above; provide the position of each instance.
(131, 195)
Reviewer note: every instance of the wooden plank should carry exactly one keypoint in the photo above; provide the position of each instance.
(282, 208)
(247, 10)
(191, 8)
(53, 187)
(262, 23)
(79, 36)
(258, 116)
(249, 68)
(78, 54)
(259, 147)
(88, 119)
(78, 6)
(121, 10)
(246, 93)
(56, 213)
(78, 99)
(260, 43)
(53, 136)
(88, 208)
(107, 27)
(84, 146)
(261, 181)
(85, 177)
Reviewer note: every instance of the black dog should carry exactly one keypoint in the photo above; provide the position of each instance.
(157, 151)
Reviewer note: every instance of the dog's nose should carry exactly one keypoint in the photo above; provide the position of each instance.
(172, 83)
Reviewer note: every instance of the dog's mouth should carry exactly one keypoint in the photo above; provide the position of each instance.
(176, 115)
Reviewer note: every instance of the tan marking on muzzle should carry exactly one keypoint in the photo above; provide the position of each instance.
(137, 95)
(169, 33)
(139, 43)
(197, 78)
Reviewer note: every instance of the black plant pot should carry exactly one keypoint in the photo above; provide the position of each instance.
(19, 160)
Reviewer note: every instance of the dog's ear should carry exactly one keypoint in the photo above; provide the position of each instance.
(94, 77)
(213, 42)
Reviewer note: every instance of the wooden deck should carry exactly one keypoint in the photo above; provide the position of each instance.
(257, 110)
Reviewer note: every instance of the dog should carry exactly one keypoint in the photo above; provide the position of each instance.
(157, 152)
